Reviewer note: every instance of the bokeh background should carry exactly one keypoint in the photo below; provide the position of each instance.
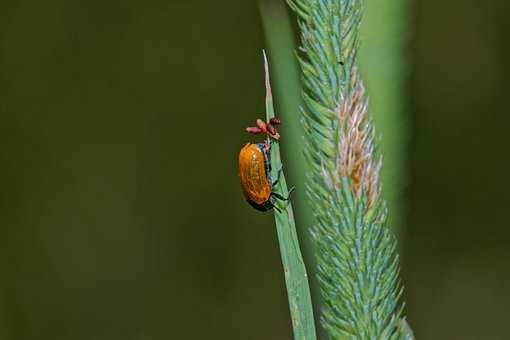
(120, 211)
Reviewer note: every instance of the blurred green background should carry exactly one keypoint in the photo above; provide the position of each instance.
(121, 215)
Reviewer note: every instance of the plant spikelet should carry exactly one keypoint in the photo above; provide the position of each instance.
(356, 253)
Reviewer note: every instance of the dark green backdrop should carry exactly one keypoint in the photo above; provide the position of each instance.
(121, 215)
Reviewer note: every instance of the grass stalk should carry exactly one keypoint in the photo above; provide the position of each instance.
(281, 45)
(382, 64)
(296, 278)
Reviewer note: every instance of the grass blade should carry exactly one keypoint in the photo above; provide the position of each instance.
(296, 278)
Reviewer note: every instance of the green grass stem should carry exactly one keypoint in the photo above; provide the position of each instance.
(296, 278)
(281, 45)
(382, 63)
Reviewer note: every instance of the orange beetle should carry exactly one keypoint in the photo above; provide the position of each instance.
(255, 176)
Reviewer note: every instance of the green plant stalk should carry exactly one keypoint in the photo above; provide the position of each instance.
(382, 64)
(280, 40)
(296, 278)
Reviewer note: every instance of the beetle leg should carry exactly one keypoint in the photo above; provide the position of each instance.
(280, 197)
(279, 175)
(291, 190)
(273, 202)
